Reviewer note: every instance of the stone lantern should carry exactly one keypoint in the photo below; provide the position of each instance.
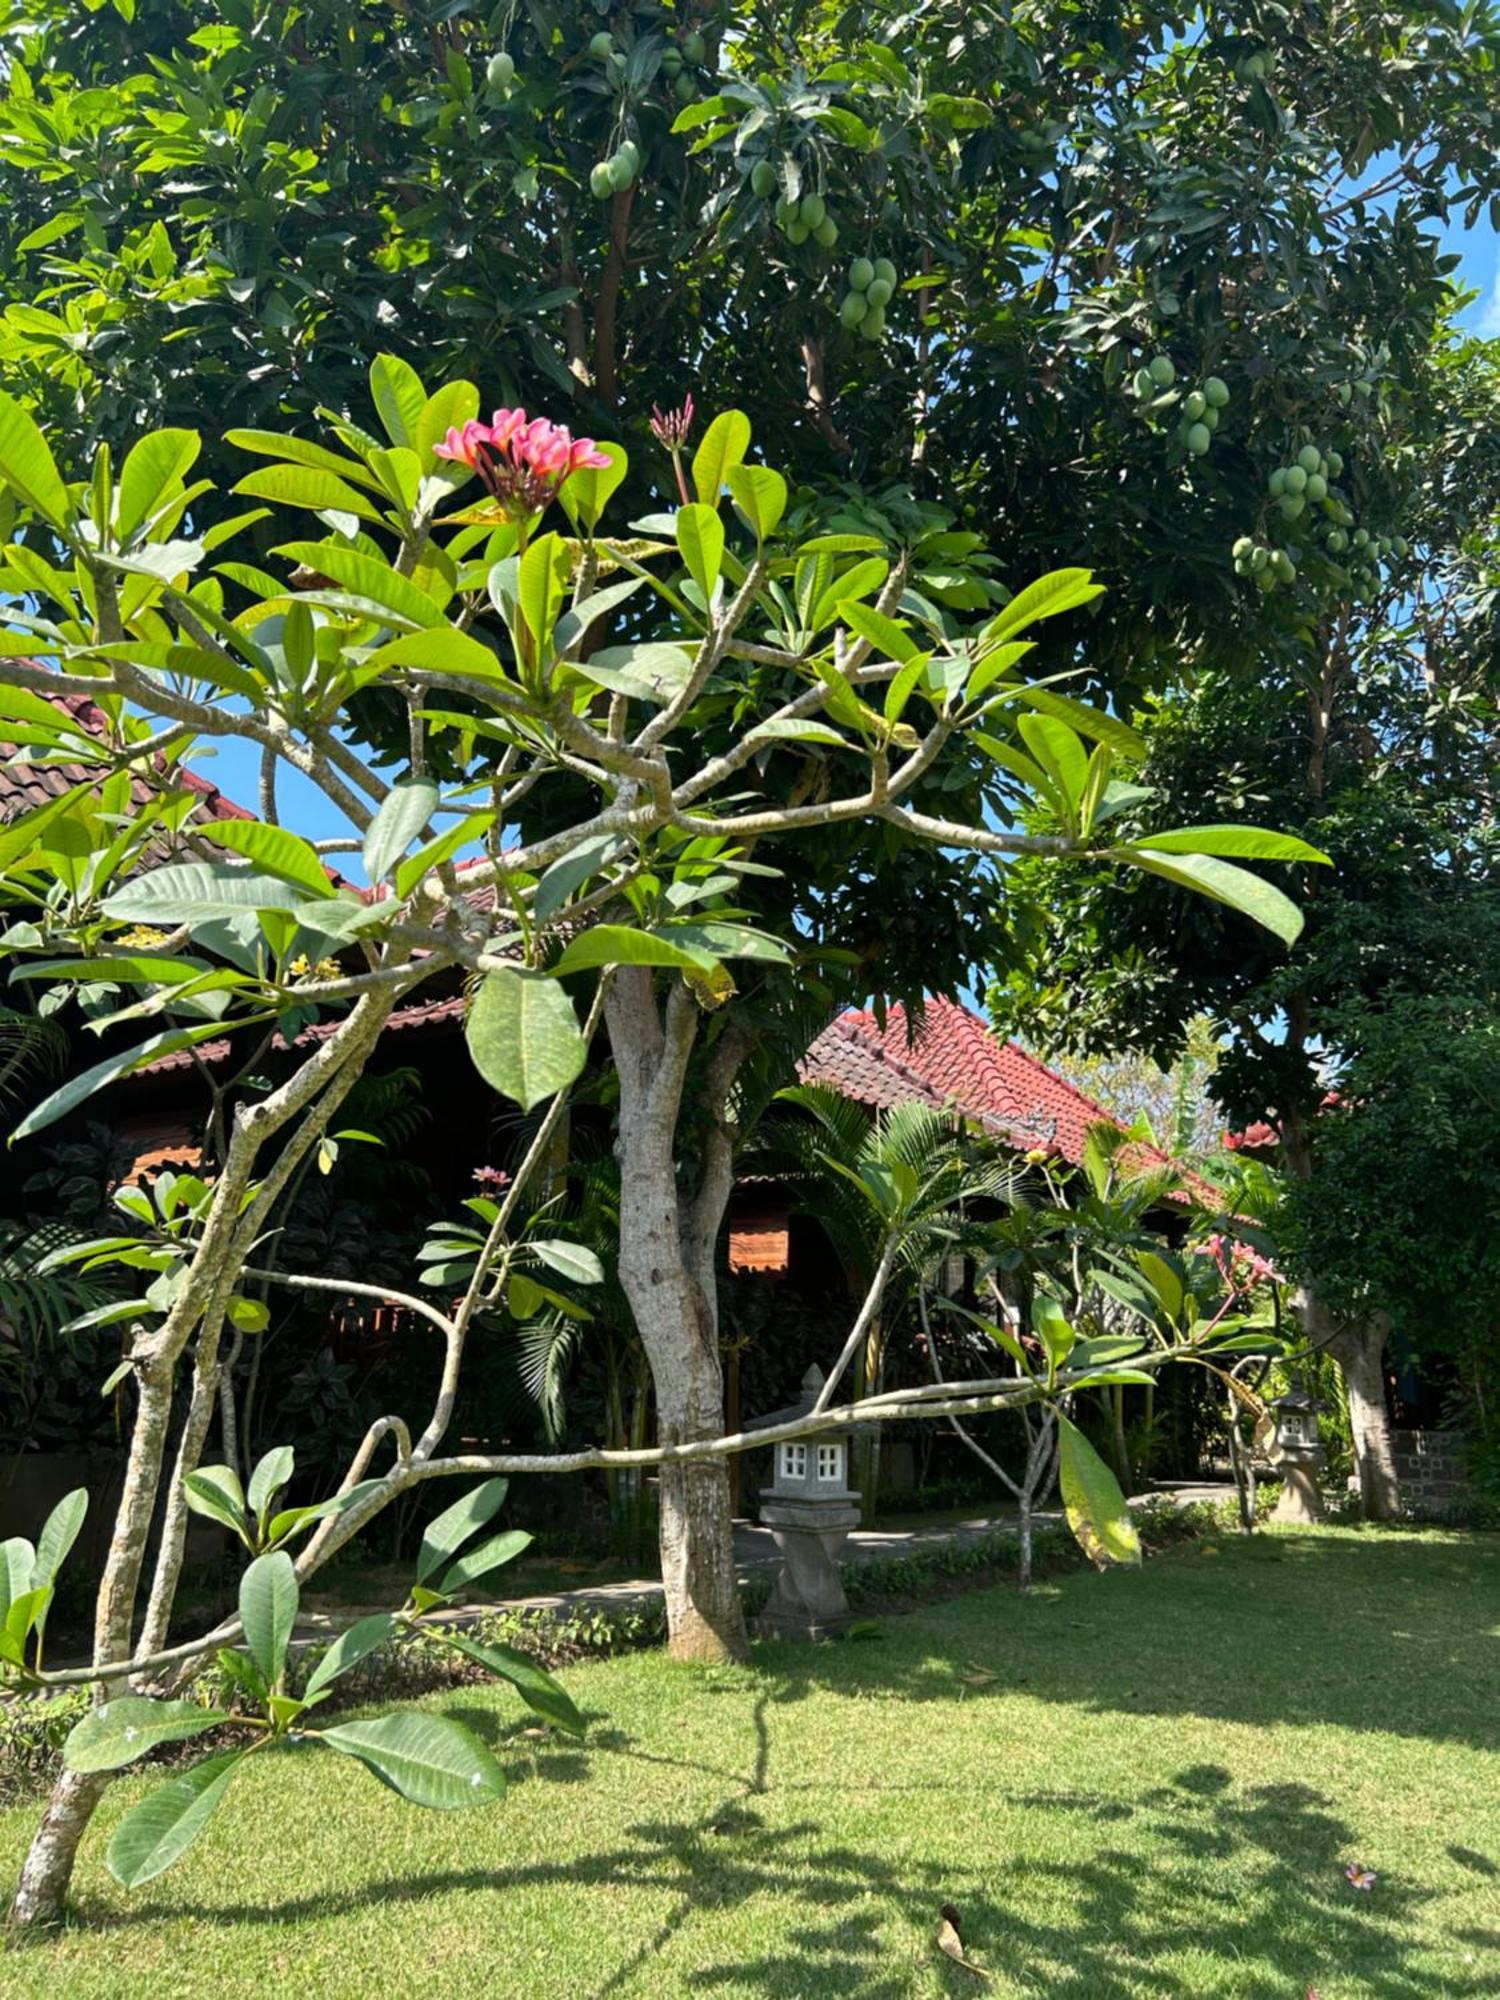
(1299, 1457)
(810, 1510)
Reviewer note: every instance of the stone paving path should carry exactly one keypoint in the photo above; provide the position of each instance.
(755, 1551)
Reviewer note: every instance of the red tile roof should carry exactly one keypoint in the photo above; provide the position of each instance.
(951, 1058)
(425, 1014)
(24, 786)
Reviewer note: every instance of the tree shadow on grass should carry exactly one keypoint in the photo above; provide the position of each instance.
(1109, 1916)
(1113, 1913)
(1365, 1632)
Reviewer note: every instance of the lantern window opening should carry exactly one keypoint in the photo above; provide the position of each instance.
(830, 1464)
(794, 1461)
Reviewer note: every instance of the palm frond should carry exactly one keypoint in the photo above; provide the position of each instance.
(32, 1050)
(36, 1305)
(546, 1348)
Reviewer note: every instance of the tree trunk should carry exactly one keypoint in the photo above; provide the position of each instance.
(666, 1250)
(41, 1894)
(1358, 1351)
(1119, 1447)
(705, 1620)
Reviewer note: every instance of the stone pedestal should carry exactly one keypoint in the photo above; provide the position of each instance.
(1301, 1500)
(808, 1600)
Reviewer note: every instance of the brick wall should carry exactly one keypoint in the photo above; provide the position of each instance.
(1430, 1466)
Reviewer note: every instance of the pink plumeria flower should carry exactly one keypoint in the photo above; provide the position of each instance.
(1358, 1876)
(521, 462)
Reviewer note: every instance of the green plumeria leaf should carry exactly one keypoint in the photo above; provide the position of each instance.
(268, 1611)
(724, 445)
(524, 1037)
(110, 1737)
(215, 1491)
(1092, 1499)
(162, 1828)
(402, 818)
(479, 1561)
(1261, 901)
(348, 1649)
(447, 1534)
(428, 1759)
(269, 1476)
(537, 1689)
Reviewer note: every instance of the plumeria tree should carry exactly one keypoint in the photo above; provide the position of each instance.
(611, 741)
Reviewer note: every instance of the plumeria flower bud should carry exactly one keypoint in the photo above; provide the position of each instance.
(670, 428)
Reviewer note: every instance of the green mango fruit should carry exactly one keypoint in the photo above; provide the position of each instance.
(1195, 405)
(763, 178)
(1161, 371)
(826, 234)
(852, 309)
(500, 71)
(1198, 438)
(1217, 391)
(1310, 458)
(872, 326)
(601, 180)
(694, 47)
(878, 292)
(1296, 479)
(884, 268)
(861, 274)
(797, 232)
(1317, 486)
(602, 45)
(812, 211)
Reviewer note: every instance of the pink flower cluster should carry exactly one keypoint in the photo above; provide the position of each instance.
(1238, 1265)
(520, 461)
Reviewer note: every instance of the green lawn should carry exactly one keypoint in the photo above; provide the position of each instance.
(1157, 1795)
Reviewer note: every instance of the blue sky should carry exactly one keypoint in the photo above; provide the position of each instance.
(1480, 250)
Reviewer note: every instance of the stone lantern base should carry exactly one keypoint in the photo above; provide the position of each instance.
(1301, 1501)
(808, 1600)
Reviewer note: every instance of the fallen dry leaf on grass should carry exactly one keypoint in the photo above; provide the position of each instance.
(973, 1675)
(950, 1942)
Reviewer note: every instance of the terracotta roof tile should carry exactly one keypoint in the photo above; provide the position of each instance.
(950, 1057)
(24, 786)
(425, 1015)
